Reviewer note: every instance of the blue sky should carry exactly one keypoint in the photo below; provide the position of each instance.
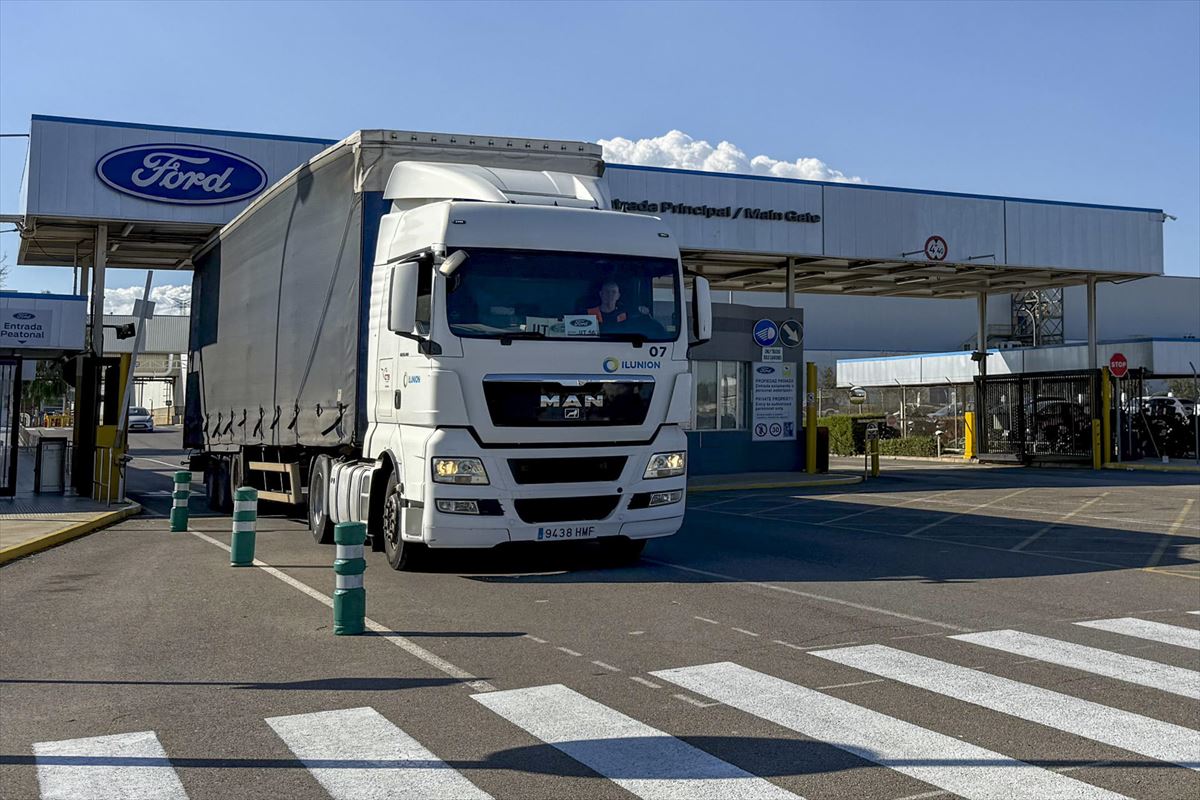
(1095, 103)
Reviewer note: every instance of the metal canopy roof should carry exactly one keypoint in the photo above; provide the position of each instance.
(68, 242)
(750, 272)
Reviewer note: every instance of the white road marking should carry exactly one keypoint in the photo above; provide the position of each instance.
(357, 754)
(1161, 550)
(1130, 669)
(943, 761)
(706, 619)
(1145, 629)
(694, 701)
(970, 510)
(608, 667)
(644, 682)
(388, 635)
(1194, 612)
(823, 598)
(848, 685)
(130, 766)
(1143, 735)
(640, 759)
(818, 646)
(178, 465)
(533, 638)
(1047, 528)
(743, 630)
(885, 506)
(569, 651)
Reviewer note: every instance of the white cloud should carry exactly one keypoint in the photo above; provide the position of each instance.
(677, 150)
(167, 299)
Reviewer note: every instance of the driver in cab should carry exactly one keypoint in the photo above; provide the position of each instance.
(609, 309)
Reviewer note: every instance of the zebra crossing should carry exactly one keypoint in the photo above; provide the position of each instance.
(359, 754)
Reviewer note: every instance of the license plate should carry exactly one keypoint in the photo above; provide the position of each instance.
(567, 532)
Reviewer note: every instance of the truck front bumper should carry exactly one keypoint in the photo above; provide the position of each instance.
(568, 509)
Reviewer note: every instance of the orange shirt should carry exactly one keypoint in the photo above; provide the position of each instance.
(620, 316)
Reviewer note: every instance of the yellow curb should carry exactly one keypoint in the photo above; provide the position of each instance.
(67, 534)
(743, 487)
(1135, 467)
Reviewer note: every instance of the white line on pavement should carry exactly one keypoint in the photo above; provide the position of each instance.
(743, 630)
(357, 754)
(809, 595)
(1047, 528)
(127, 765)
(970, 510)
(569, 651)
(608, 667)
(1145, 629)
(1134, 732)
(389, 635)
(1161, 550)
(644, 682)
(885, 506)
(935, 758)
(1130, 669)
(640, 759)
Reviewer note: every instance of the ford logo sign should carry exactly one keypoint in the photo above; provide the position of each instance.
(181, 173)
(581, 323)
(765, 370)
(23, 315)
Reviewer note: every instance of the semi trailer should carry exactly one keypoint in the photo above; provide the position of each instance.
(453, 339)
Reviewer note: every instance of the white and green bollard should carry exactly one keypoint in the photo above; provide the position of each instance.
(245, 518)
(179, 501)
(349, 597)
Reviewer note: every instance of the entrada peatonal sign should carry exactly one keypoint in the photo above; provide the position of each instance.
(709, 212)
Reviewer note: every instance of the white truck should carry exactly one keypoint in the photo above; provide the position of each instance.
(452, 339)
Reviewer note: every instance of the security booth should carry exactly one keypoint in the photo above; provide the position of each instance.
(33, 327)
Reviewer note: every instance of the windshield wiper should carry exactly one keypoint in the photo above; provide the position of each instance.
(507, 338)
(638, 339)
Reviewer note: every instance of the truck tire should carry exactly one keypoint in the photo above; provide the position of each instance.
(216, 486)
(237, 475)
(623, 551)
(401, 555)
(319, 522)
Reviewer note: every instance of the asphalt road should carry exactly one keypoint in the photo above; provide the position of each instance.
(785, 643)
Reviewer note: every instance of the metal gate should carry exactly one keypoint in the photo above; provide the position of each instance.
(10, 423)
(1043, 416)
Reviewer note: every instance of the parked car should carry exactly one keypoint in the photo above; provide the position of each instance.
(140, 419)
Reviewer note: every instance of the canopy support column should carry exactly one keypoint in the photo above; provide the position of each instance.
(791, 283)
(99, 260)
(1093, 358)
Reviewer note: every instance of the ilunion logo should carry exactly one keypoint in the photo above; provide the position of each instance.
(611, 364)
(184, 174)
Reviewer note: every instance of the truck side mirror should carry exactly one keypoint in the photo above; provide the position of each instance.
(402, 298)
(701, 311)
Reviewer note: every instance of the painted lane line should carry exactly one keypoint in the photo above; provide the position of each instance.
(1046, 529)
(820, 646)
(706, 619)
(847, 685)
(970, 510)
(694, 701)
(124, 765)
(357, 754)
(823, 598)
(935, 758)
(640, 759)
(608, 667)
(387, 634)
(533, 638)
(176, 466)
(743, 630)
(644, 682)
(1142, 735)
(1145, 629)
(1194, 612)
(1161, 550)
(1130, 669)
(569, 651)
(883, 506)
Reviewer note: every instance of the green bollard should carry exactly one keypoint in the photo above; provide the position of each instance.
(245, 517)
(349, 598)
(179, 501)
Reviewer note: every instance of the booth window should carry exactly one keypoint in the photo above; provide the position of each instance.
(720, 400)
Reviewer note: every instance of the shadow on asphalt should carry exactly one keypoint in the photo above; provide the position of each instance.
(317, 684)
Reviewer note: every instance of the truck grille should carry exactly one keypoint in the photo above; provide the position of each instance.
(537, 403)
(566, 470)
(565, 509)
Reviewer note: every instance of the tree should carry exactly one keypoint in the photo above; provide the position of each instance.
(48, 385)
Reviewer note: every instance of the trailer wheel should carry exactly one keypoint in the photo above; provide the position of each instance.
(216, 486)
(319, 522)
(401, 555)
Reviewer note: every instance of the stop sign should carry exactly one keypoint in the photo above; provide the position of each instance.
(1118, 366)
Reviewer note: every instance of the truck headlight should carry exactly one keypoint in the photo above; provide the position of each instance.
(666, 465)
(459, 470)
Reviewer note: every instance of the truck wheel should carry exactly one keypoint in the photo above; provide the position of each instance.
(216, 486)
(401, 555)
(319, 522)
(623, 551)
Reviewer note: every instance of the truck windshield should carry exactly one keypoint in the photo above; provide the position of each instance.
(542, 294)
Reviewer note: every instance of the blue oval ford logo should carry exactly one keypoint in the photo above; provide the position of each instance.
(23, 315)
(181, 173)
(765, 370)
